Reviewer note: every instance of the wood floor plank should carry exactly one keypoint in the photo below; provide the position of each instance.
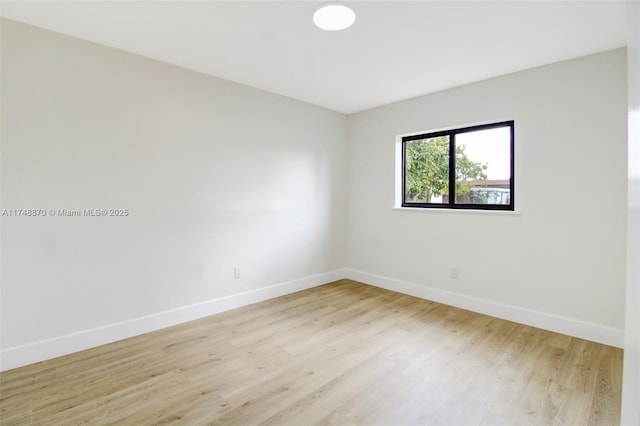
(340, 354)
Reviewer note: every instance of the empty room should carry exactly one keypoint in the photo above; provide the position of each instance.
(312, 213)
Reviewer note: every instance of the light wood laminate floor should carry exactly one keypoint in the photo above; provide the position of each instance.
(344, 353)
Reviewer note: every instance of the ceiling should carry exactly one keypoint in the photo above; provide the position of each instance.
(395, 50)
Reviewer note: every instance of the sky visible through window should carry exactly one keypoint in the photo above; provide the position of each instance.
(490, 147)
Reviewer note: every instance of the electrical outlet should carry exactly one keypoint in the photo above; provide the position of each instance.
(236, 272)
(455, 272)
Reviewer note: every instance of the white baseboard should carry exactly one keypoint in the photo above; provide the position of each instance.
(559, 324)
(51, 348)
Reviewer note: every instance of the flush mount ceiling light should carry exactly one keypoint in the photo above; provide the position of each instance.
(334, 17)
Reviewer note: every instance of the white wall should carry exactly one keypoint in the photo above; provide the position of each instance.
(560, 262)
(214, 174)
(631, 380)
(217, 175)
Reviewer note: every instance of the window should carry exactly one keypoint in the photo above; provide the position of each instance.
(478, 176)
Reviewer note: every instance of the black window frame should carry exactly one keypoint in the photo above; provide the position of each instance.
(452, 167)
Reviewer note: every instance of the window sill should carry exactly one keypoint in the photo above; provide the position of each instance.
(459, 211)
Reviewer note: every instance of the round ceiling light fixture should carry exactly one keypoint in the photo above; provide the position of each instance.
(334, 17)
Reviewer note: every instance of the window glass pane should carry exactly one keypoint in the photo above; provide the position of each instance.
(427, 170)
(483, 166)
